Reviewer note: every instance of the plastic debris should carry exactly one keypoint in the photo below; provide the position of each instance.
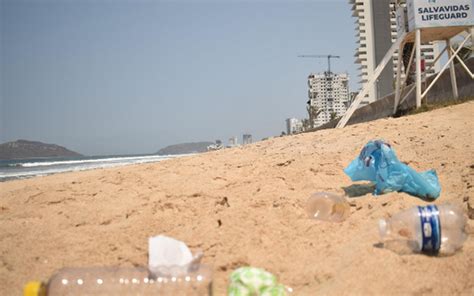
(378, 163)
(327, 207)
(119, 281)
(250, 281)
(172, 270)
(435, 230)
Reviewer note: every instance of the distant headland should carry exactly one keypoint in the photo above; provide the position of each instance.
(185, 148)
(31, 149)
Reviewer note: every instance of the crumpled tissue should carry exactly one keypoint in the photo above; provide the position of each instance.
(168, 256)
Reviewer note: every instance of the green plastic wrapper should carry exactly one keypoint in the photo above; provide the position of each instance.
(252, 281)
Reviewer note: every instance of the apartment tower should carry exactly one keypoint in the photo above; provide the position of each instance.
(329, 94)
(376, 31)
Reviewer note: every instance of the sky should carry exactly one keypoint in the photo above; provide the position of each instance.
(104, 77)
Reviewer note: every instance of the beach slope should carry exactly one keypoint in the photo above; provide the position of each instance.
(245, 206)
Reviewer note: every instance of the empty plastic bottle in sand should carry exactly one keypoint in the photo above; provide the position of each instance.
(436, 230)
(328, 207)
(119, 281)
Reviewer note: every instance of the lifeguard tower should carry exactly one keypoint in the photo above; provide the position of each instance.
(421, 21)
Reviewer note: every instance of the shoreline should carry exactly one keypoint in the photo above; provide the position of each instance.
(31, 168)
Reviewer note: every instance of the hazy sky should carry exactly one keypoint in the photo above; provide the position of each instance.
(116, 77)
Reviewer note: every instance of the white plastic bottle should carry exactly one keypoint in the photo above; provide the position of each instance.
(327, 207)
(118, 281)
(431, 229)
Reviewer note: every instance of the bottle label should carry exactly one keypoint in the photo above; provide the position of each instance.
(430, 229)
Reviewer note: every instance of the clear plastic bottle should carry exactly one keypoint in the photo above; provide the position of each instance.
(119, 281)
(431, 229)
(327, 207)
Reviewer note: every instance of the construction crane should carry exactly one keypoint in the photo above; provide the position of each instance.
(318, 56)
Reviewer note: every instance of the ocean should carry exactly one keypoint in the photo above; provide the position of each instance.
(32, 167)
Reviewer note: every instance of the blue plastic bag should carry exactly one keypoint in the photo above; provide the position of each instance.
(378, 163)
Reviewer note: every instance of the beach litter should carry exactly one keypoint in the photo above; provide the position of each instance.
(435, 230)
(169, 256)
(326, 206)
(252, 281)
(172, 270)
(378, 163)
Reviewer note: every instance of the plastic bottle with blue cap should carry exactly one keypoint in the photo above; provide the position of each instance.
(432, 229)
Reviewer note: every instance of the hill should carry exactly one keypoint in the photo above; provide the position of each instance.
(30, 149)
(185, 148)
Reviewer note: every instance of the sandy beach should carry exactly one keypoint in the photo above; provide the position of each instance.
(245, 206)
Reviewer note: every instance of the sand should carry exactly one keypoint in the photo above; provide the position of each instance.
(245, 206)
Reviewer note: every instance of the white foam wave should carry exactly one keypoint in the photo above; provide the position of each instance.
(82, 165)
(129, 159)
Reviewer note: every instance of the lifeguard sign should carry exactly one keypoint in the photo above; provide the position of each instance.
(439, 13)
(423, 21)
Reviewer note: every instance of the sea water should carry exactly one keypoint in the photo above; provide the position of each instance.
(32, 167)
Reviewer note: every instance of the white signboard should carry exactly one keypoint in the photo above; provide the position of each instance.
(439, 13)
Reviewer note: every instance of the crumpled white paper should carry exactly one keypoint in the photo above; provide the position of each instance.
(169, 256)
(167, 251)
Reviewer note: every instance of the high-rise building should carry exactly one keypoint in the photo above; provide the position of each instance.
(328, 95)
(293, 126)
(376, 31)
(246, 139)
(233, 142)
